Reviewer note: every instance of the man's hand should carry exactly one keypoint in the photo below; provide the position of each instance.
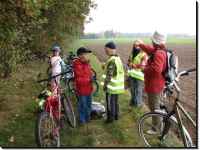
(134, 66)
(131, 65)
(138, 42)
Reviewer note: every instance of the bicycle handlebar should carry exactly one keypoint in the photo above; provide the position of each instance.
(52, 77)
(186, 72)
(182, 73)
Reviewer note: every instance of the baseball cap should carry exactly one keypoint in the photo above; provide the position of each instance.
(82, 50)
(110, 45)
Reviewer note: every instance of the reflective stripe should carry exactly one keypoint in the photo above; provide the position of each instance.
(136, 74)
(41, 102)
(117, 81)
(113, 80)
(115, 88)
(104, 76)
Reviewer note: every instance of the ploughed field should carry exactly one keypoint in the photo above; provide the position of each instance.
(187, 56)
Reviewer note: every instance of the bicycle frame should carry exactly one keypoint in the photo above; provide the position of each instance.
(177, 109)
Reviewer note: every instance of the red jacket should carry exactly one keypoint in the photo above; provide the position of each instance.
(82, 76)
(153, 77)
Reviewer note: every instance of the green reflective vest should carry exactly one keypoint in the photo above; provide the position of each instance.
(116, 84)
(137, 73)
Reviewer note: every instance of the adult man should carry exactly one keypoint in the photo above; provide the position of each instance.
(153, 73)
(113, 81)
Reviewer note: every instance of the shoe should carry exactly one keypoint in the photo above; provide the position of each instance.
(152, 132)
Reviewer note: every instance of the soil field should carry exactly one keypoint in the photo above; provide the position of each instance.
(187, 56)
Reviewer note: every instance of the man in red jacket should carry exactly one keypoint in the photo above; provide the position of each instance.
(83, 84)
(153, 72)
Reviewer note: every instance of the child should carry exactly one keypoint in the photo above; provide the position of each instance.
(83, 84)
(113, 81)
(56, 68)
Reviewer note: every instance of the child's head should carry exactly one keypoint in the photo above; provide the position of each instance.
(83, 53)
(110, 48)
(56, 50)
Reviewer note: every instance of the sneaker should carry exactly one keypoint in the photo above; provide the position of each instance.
(152, 132)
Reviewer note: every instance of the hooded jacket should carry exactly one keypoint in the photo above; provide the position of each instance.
(82, 78)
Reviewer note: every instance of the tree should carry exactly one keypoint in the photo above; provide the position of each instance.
(30, 27)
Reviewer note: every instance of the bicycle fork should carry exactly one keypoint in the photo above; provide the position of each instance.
(167, 125)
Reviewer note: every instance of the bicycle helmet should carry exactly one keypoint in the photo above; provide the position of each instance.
(56, 48)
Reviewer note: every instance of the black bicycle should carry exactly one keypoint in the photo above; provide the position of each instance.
(164, 128)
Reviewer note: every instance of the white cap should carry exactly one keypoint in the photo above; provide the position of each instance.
(159, 38)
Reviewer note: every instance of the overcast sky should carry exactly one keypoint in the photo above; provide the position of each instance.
(169, 16)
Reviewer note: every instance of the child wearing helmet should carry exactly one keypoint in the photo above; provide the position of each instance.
(55, 65)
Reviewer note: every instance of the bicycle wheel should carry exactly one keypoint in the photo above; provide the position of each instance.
(70, 85)
(46, 135)
(94, 73)
(95, 88)
(166, 131)
(69, 112)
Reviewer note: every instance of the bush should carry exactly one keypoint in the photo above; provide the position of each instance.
(30, 27)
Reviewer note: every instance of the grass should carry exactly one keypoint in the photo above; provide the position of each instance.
(18, 115)
(170, 40)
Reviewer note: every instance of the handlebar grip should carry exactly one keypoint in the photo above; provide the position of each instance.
(191, 70)
(42, 80)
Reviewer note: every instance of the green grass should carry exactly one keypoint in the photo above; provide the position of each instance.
(170, 40)
(18, 111)
(18, 114)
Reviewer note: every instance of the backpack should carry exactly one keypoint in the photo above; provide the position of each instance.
(171, 69)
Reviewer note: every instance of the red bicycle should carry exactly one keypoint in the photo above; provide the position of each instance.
(50, 115)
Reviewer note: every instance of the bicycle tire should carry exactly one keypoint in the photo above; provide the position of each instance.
(171, 139)
(70, 86)
(71, 89)
(55, 141)
(68, 110)
(95, 88)
(94, 73)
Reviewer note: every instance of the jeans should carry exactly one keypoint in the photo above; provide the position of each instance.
(84, 108)
(112, 106)
(136, 89)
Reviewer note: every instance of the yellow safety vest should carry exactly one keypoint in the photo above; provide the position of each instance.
(137, 73)
(116, 84)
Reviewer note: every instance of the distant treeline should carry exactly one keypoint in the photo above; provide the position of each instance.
(113, 34)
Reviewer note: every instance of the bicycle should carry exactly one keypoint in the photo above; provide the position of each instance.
(50, 115)
(169, 128)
